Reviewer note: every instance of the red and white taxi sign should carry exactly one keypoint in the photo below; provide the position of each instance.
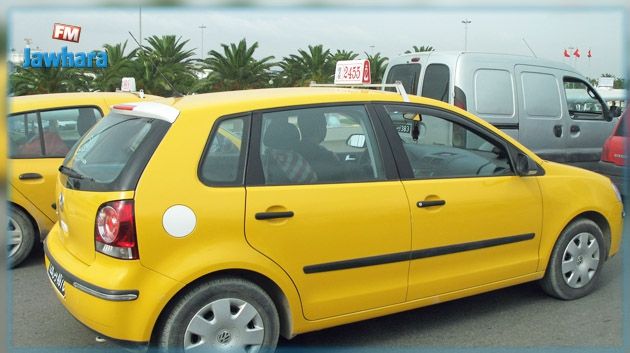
(353, 72)
(128, 84)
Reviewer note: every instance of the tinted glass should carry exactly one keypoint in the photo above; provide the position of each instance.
(24, 136)
(444, 149)
(436, 82)
(313, 145)
(223, 162)
(407, 74)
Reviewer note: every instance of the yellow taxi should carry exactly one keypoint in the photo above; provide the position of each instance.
(221, 221)
(41, 130)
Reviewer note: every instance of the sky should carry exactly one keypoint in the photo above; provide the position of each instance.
(282, 30)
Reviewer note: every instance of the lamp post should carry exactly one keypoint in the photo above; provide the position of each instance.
(202, 27)
(466, 22)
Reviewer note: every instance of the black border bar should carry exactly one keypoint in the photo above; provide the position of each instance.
(415, 254)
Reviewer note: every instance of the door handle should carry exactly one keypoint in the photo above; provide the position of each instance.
(261, 216)
(30, 176)
(422, 204)
(575, 129)
(557, 130)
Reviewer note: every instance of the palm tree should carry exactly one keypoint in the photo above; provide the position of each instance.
(47, 80)
(236, 68)
(316, 64)
(343, 55)
(120, 65)
(420, 49)
(378, 64)
(165, 60)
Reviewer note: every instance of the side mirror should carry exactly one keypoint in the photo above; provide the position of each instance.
(608, 115)
(615, 113)
(525, 165)
(356, 141)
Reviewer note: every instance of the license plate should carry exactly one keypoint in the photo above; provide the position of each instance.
(57, 280)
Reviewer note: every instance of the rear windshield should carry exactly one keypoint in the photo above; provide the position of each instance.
(407, 74)
(436, 82)
(112, 155)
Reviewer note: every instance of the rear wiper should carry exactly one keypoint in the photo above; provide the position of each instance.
(73, 173)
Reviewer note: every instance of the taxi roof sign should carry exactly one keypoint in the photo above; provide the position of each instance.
(353, 72)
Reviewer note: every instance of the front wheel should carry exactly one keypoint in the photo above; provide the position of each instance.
(226, 314)
(576, 261)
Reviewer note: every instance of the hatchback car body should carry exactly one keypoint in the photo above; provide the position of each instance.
(42, 128)
(613, 160)
(225, 219)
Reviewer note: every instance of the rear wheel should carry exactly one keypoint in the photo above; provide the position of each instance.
(20, 236)
(227, 314)
(576, 261)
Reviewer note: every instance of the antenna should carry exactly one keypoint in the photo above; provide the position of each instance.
(528, 47)
(175, 91)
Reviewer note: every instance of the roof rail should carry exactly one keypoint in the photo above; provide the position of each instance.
(400, 89)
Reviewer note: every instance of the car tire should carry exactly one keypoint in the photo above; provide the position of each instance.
(222, 313)
(20, 236)
(576, 261)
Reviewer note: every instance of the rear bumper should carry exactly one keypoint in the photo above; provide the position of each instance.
(615, 173)
(119, 299)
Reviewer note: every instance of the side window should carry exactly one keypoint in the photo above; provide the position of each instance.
(224, 158)
(319, 145)
(24, 136)
(407, 74)
(541, 95)
(62, 128)
(582, 100)
(439, 148)
(494, 92)
(436, 82)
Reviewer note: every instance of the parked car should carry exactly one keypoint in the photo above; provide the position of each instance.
(224, 220)
(42, 128)
(614, 155)
(546, 105)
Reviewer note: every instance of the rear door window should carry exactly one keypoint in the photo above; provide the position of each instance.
(407, 74)
(49, 133)
(436, 82)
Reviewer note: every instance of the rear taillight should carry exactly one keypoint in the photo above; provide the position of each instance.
(606, 155)
(459, 99)
(115, 230)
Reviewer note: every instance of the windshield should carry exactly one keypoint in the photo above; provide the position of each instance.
(117, 143)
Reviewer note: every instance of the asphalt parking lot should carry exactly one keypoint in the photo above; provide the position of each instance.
(521, 316)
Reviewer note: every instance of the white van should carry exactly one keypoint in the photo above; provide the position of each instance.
(546, 105)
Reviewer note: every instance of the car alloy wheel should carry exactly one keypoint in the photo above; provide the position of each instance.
(14, 236)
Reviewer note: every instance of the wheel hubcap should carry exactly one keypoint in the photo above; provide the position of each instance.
(14, 236)
(228, 324)
(580, 260)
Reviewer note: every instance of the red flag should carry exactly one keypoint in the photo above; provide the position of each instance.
(589, 53)
(576, 53)
(566, 53)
